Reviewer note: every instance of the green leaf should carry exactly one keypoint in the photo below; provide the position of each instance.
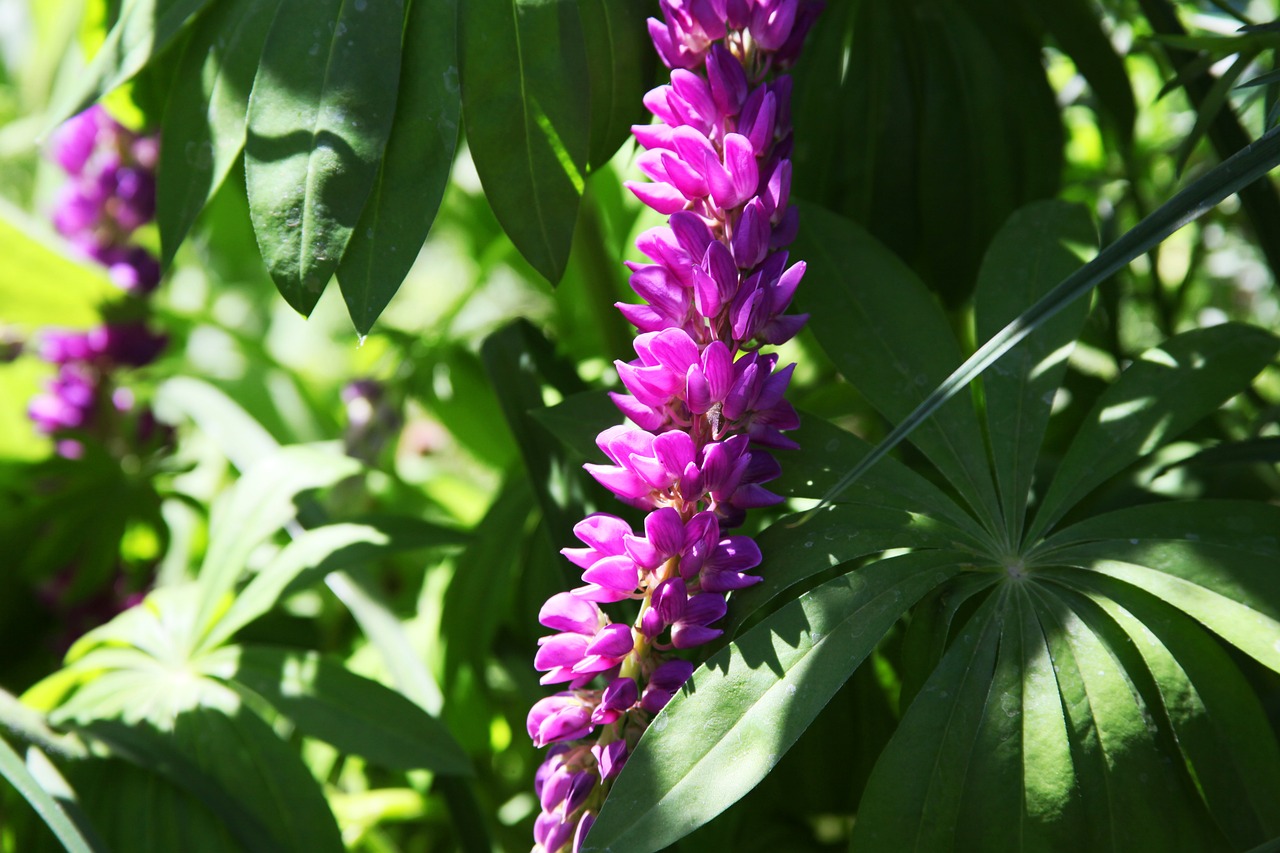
(888, 336)
(1165, 391)
(1219, 724)
(81, 293)
(519, 360)
(319, 115)
(1238, 171)
(240, 769)
(620, 62)
(317, 552)
(836, 535)
(204, 118)
(142, 32)
(747, 704)
(258, 505)
(578, 419)
(826, 451)
(415, 169)
(1249, 451)
(1040, 245)
(480, 592)
(526, 100)
(74, 838)
(1119, 766)
(913, 798)
(325, 700)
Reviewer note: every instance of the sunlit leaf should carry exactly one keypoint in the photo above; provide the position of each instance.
(74, 838)
(319, 116)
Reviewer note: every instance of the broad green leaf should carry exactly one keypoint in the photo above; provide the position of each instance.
(74, 838)
(1238, 171)
(117, 793)
(82, 290)
(412, 175)
(1248, 526)
(931, 627)
(526, 102)
(258, 505)
(620, 63)
(317, 552)
(888, 336)
(204, 118)
(240, 769)
(325, 700)
(578, 419)
(748, 703)
(827, 451)
(142, 32)
(1120, 770)
(1077, 28)
(913, 798)
(319, 115)
(1233, 593)
(1220, 726)
(837, 534)
(159, 775)
(1265, 450)
(1039, 246)
(1165, 391)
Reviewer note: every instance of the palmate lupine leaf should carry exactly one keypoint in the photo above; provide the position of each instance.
(1238, 171)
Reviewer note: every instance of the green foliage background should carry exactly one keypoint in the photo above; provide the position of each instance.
(1047, 619)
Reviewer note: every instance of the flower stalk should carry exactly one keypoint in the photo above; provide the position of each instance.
(705, 404)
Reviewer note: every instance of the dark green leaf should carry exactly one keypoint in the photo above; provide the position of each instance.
(526, 99)
(1239, 171)
(1265, 79)
(482, 584)
(826, 451)
(578, 419)
(204, 119)
(1220, 726)
(518, 360)
(747, 704)
(327, 701)
(142, 32)
(413, 173)
(888, 336)
(1039, 246)
(913, 798)
(831, 537)
(620, 62)
(15, 772)
(1165, 391)
(1250, 451)
(319, 115)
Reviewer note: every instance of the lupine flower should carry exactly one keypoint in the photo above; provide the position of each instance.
(705, 405)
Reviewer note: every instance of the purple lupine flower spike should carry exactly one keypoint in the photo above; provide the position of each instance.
(705, 405)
